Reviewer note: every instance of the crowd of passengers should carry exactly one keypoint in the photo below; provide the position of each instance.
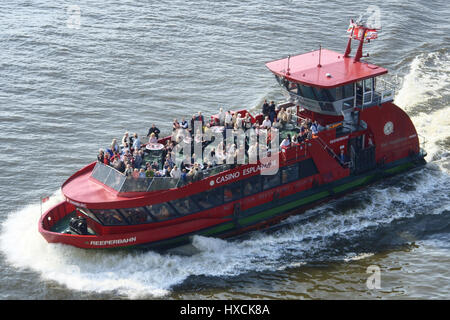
(128, 156)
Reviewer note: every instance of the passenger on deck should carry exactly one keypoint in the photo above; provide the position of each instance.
(240, 154)
(155, 165)
(149, 173)
(233, 119)
(238, 122)
(106, 159)
(266, 124)
(119, 165)
(167, 172)
(265, 108)
(247, 122)
(154, 130)
(200, 118)
(135, 174)
(137, 156)
(142, 173)
(286, 143)
(169, 160)
(191, 174)
(153, 138)
(115, 146)
(283, 117)
(125, 140)
(129, 170)
(272, 111)
(183, 175)
(175, 125)
(207, 129)
(125, 148)
(126, 156)
(342, 157)
(315, 128)
(175, 173)
(221, 117)
(277, 124)
(228, 120)
(136, 142)
(253, 153)
(101, 155)
(184, 124)
(192, 124)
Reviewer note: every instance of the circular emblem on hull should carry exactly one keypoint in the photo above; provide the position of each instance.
(211, 183)
(388, 128)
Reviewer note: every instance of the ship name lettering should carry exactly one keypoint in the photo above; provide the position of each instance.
(228, 177)
(111, 242)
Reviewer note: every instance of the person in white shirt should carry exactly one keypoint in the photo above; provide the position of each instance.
(238, 124)
(285, 143)
(221, 117)
(253, 153)
(228, 120)
(276, 124)
(175, 172)
(266, 123)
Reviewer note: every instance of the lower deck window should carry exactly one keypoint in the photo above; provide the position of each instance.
(289, 174)
(161, 211)
(185, 206)
(271, 181)
(252, 185)
(209, 199)
(109, 217)
(136, 215)
(232, 192)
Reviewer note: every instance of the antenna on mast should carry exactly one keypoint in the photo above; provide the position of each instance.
(359, 31)
(289, 58)
(320, 53)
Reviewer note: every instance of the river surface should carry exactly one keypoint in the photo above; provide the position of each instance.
(76, 74)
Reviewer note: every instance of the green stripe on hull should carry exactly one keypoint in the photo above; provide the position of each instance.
(219, 229)
(353, 184)
(399, 168)
(291, 205)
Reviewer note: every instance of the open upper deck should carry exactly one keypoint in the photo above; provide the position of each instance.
(334, 69)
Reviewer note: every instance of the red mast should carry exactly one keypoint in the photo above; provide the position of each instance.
(359, 31)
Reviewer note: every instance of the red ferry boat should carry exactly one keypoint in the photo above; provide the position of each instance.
(363, 137)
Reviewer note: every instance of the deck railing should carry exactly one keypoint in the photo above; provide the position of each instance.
(122, 183)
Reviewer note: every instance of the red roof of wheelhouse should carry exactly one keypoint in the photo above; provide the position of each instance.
(304, 69)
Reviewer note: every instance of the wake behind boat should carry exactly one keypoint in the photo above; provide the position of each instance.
(228, 175)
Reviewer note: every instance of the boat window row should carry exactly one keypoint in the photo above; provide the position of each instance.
(204, 200)
(319, 94)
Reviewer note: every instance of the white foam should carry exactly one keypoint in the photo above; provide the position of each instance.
(428, 77)
(359, 256)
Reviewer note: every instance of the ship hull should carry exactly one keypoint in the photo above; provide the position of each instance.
(264, 216)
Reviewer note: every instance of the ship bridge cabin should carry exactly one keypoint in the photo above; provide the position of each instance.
(327, 83)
